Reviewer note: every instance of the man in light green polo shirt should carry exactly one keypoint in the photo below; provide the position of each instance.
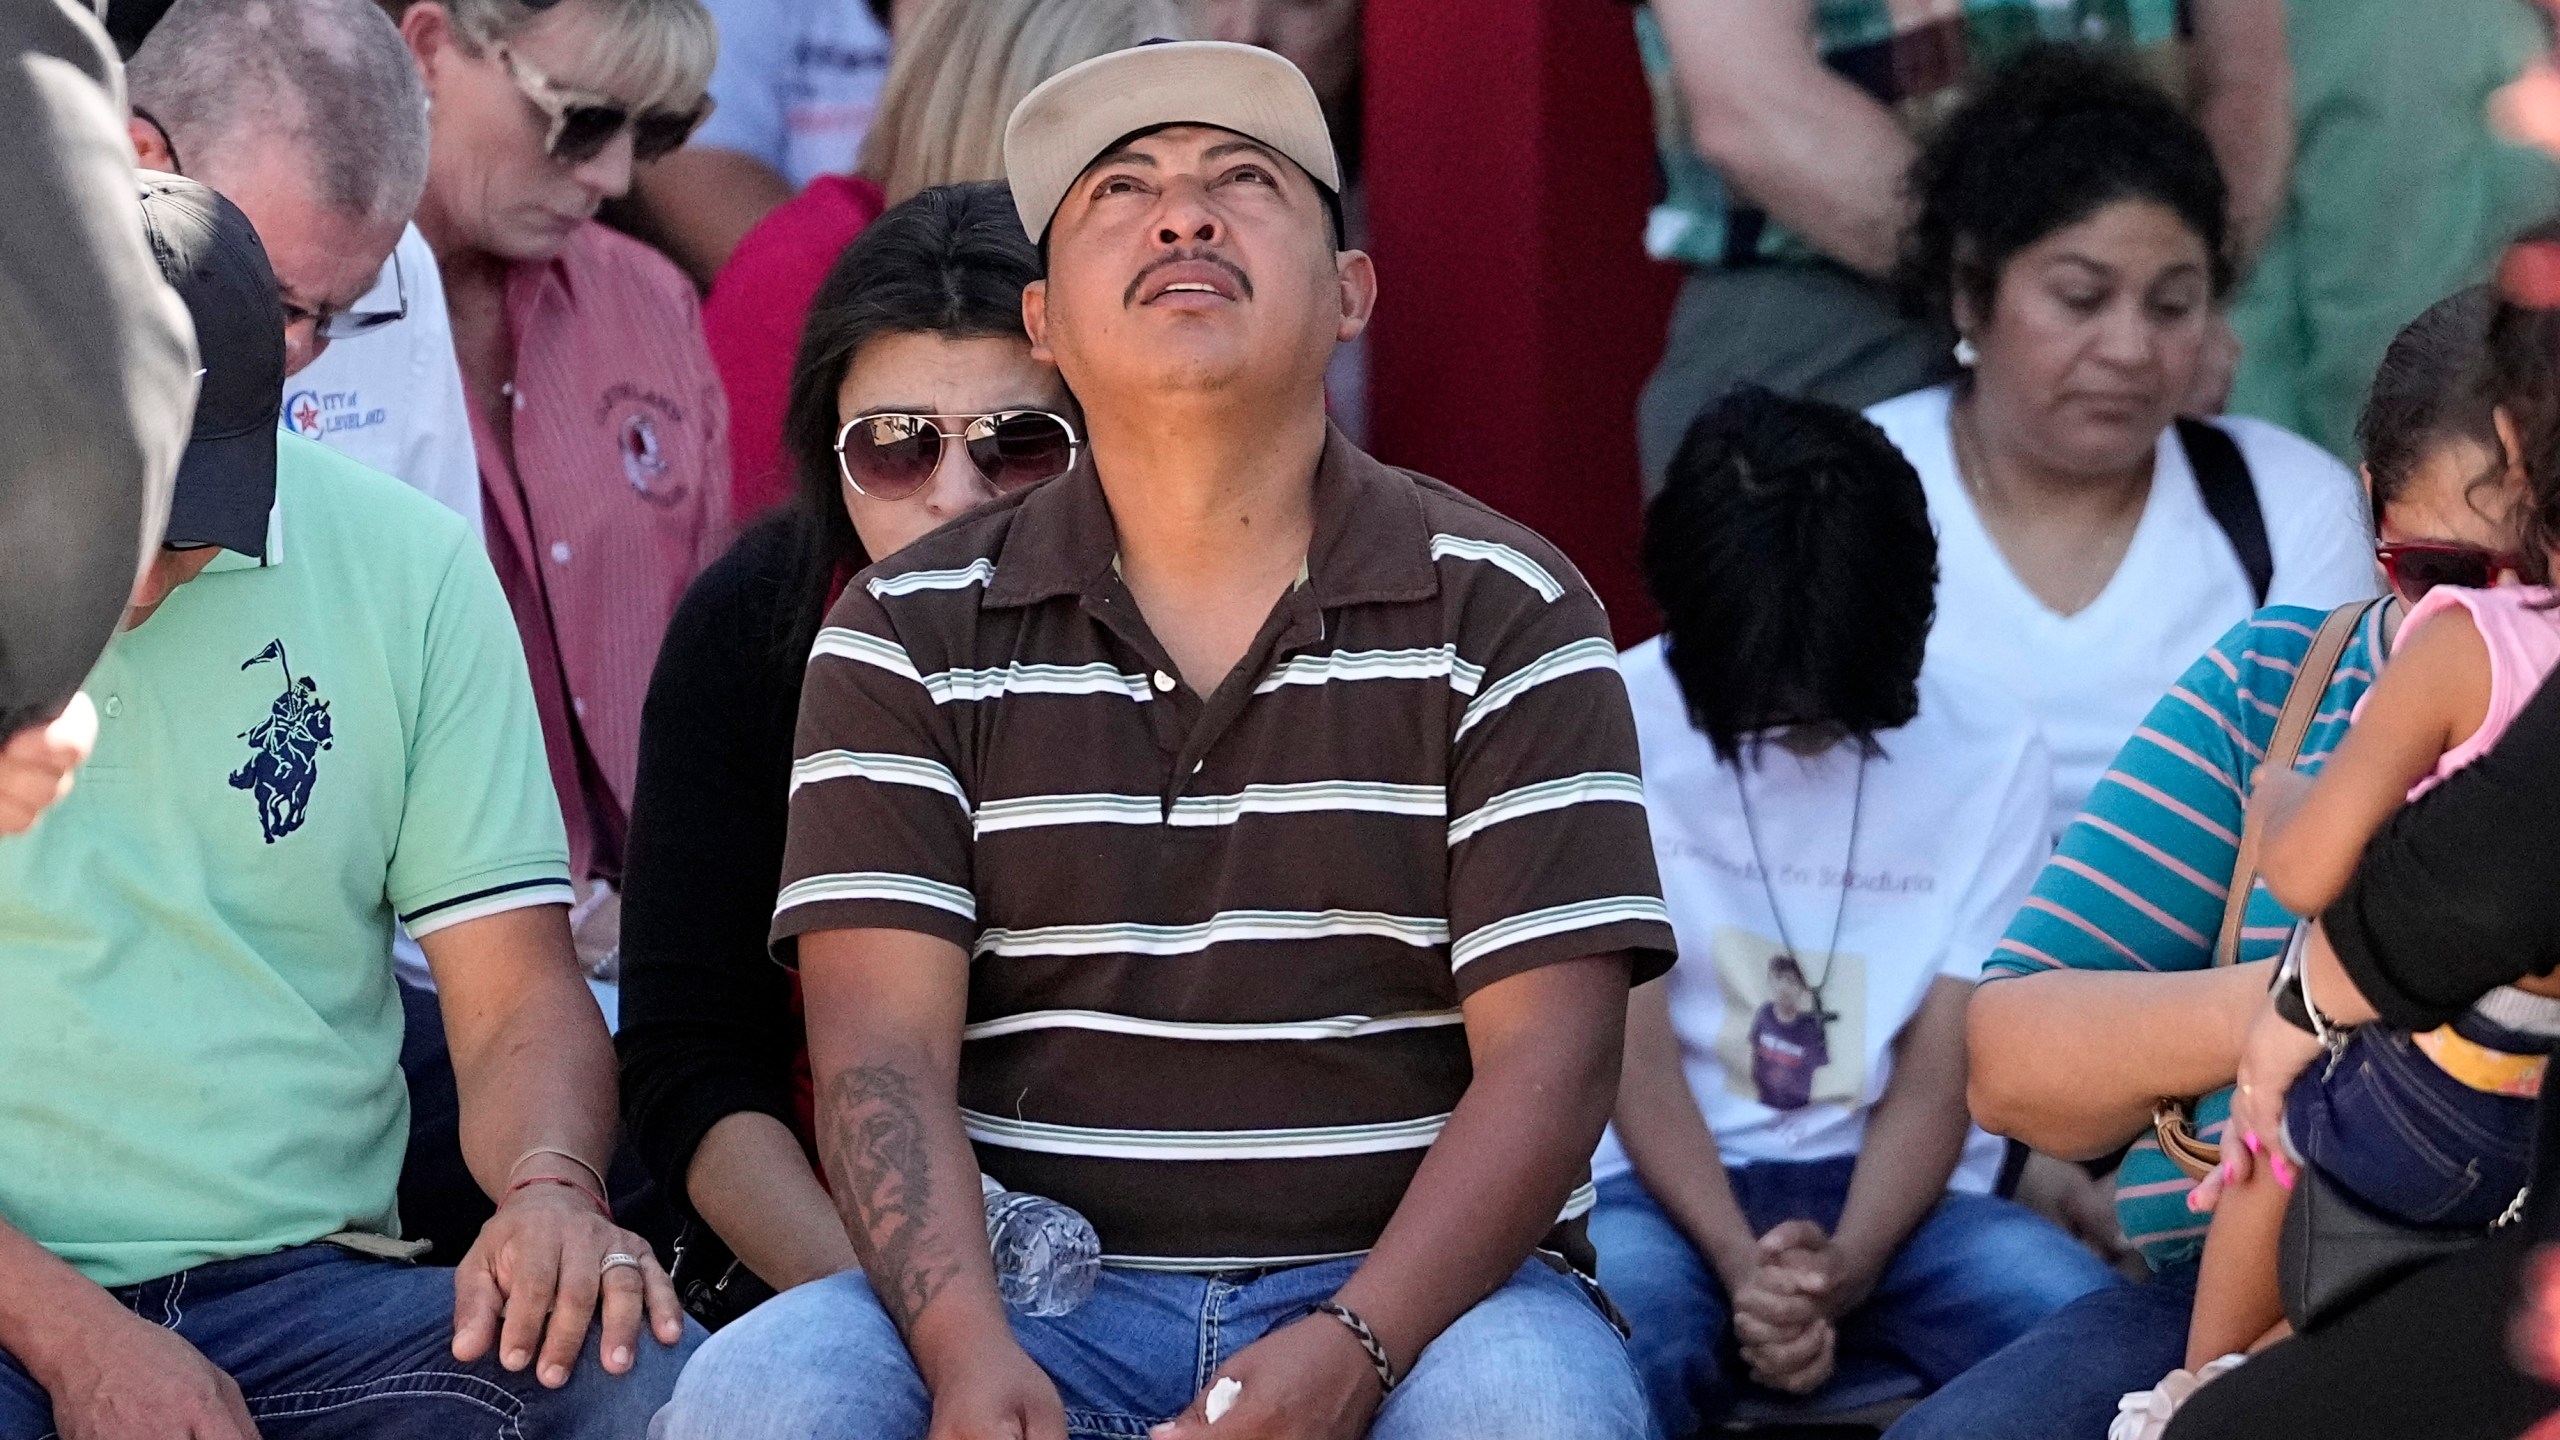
(316, 719)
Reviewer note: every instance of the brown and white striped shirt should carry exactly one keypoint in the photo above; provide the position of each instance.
(1220, 942)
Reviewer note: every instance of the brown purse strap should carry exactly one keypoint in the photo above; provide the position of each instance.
(2301, 704)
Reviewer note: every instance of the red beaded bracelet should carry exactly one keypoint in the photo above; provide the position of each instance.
(591, 1196)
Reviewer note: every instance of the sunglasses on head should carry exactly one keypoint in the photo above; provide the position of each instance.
(890, 457)
(583, 123)
(2421, 566)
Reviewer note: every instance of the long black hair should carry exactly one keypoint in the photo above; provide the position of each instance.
(1791, 555)
(2432, 388)
(949, 261)
(2056, 136)
(2524, 381)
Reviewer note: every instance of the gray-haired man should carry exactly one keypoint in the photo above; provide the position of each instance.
(310, 116)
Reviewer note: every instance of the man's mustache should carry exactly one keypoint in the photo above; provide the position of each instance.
(1244, 282)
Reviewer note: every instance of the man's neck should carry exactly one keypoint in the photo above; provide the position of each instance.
(1214, 509)
(1199, 492)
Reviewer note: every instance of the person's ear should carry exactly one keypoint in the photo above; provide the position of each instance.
(1357, 286)
(150, 147)
(2510, 445)
(428, 29)
(1035, 321)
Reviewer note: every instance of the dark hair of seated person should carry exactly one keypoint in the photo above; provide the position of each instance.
(2524, 380)
(1791, 556)
(2431, 389)
(2058, 134)
(949, 261)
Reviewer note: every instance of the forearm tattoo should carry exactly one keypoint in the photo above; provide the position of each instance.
(874, 1141)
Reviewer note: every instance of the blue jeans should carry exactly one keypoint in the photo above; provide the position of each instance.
(1975, 1275)
(2061, 1380)
(2407, 1139)
(326, 1344)
(1536, 1360)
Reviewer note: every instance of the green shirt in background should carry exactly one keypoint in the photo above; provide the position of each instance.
(196, 996)
(2400, 196)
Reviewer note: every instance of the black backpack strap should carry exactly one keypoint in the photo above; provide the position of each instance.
(2231, 497)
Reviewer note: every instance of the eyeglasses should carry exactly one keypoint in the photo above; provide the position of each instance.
(890, 457)
(350, 323)
(2421, 566)
(583, 122)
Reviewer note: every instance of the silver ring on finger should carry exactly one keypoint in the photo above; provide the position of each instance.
(617, 1261)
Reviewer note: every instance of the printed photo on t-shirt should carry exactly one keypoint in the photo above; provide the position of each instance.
(1793, 1024)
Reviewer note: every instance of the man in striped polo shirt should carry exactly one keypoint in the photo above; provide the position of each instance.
(1234, 839)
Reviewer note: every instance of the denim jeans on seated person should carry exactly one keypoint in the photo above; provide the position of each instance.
(2062, 1379)
(1976, 1274)
(326, 1344)
(1536, 1360)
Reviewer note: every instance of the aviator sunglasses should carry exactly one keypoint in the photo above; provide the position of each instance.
(2421, 566)
(583, 123)
(890, 457)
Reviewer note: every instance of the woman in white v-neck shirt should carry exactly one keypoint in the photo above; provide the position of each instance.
(2071, 224)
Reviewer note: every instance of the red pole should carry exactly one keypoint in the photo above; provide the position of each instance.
(1508, 168)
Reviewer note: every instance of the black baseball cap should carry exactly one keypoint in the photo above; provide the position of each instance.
(209, 253)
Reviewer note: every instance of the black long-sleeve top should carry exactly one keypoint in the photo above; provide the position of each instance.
(708, 1026)
(2460, 894)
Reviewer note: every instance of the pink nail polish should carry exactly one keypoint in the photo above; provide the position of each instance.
(2251, 1140)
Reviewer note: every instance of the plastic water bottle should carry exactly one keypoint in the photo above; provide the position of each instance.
(1047, 1256)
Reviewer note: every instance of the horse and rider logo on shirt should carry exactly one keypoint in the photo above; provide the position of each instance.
(284, 760)
(1793, 1024)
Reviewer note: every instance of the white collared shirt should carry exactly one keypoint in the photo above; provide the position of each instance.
(392, 399)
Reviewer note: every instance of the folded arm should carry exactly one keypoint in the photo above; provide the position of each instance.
(2072, 1061)
(1790, 135)
(2244, 103)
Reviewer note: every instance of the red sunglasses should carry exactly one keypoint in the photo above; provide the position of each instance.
(2421, 566)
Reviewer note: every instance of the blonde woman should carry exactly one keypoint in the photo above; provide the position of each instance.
(961, 67)
(598, 420)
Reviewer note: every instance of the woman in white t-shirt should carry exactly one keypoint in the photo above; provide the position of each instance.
(2071, 224)
(1842, 837)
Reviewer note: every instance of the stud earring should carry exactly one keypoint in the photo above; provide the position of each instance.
(1966, 355)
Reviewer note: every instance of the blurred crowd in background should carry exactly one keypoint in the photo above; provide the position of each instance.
(2013, 435)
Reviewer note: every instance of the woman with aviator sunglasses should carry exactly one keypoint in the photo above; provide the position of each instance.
(915, 399)
(597, 416)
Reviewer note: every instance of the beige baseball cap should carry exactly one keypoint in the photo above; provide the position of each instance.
(1076, 114)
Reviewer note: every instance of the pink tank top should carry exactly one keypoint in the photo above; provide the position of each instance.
(2522, 630)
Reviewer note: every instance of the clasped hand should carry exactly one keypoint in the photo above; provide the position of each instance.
(1785, 1310)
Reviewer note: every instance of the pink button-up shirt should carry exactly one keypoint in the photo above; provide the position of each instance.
(615, 495)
